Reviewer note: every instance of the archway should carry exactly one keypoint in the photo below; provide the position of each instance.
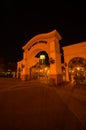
(49, 43)
(77, 69)
(41, 70)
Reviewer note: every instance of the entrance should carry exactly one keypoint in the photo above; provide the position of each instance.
(41, 70)
(38, 67)
(77, 69)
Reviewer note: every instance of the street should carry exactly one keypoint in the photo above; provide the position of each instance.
(32, 105)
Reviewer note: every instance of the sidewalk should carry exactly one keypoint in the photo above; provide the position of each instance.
(75, 99)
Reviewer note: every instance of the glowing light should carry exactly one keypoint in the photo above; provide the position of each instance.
(42, 56)
(72, 71)
(78, 68)
(45, 68)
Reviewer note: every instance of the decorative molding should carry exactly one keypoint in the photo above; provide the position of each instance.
(41, 41)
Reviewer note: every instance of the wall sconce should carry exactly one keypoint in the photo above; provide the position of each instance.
(51, 60)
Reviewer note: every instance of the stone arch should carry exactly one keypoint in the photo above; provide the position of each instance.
(38, 70)
(33, 52)
(77, 69)
(48, 42)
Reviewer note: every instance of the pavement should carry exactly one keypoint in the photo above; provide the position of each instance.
(34, 105)
(75, 98)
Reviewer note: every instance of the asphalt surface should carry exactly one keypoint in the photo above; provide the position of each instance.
(32, 105)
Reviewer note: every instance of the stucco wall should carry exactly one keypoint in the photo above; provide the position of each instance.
(76, 50)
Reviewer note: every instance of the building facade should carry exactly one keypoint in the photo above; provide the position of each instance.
(33, 67)
(75, 61)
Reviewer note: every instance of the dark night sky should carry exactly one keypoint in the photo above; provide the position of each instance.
(22, 21)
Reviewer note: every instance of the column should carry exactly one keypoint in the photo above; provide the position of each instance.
(55, 65)
(67, 74)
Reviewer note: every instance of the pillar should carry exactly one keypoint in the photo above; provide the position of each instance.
(55, 65)
(67, 74)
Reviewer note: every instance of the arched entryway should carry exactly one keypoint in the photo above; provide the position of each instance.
(74, 55)
(41, 70)
(77, 69)
(49, 43)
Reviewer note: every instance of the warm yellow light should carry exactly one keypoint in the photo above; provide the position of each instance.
(41, 70)
(45, 68)
(42, 56)
(72, 71)
(78, 68)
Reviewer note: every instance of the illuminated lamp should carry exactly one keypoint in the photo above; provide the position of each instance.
(42, 56)
(78, 68)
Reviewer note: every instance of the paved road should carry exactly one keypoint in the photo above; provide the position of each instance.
(35, 106)
(75, 99)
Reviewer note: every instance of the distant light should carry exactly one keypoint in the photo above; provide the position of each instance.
(42, 56)
(78, 68)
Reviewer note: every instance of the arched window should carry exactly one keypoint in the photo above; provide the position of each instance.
(77, 68)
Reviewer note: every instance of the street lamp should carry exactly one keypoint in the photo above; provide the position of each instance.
(42, 59)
